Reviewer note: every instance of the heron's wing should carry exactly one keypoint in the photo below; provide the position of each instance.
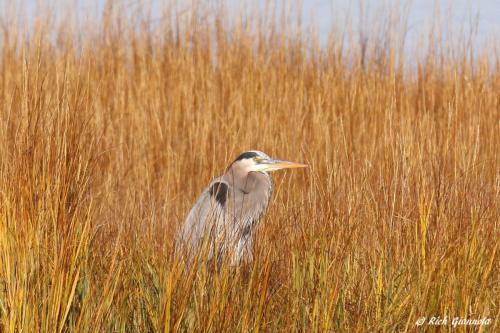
(206, 217)
(225, 216)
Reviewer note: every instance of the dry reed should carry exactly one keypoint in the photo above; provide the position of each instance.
(107, 137)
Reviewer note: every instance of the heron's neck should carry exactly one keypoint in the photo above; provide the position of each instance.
(249, 181)
(257, 180)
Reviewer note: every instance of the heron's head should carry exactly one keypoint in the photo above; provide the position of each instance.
(257, 161)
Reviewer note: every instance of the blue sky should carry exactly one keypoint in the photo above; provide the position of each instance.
(459, 14)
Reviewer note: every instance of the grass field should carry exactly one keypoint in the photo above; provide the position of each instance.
(107, 137)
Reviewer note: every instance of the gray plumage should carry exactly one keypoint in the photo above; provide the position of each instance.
(225, 214)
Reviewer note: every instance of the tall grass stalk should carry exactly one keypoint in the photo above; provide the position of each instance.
(108, 133)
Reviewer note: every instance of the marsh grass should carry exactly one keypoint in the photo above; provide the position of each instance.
(108, 136)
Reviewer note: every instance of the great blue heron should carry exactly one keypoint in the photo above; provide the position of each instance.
(226, 212)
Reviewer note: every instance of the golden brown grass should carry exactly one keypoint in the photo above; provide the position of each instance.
(107, 138)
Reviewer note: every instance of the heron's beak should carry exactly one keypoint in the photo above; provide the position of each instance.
(273, 165)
